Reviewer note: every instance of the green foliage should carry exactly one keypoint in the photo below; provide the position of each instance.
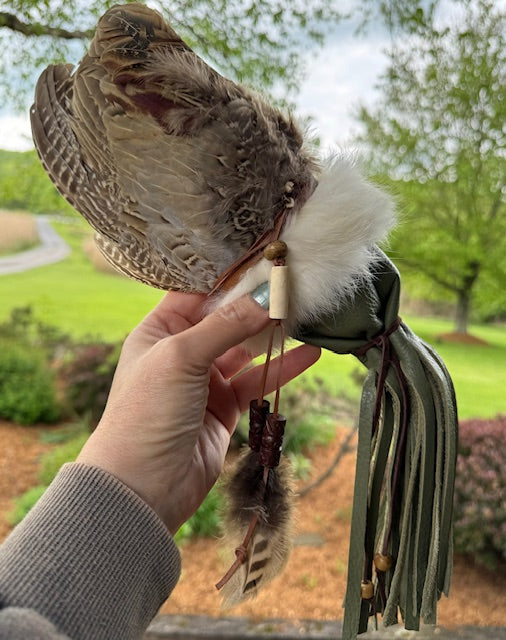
(52, 461)
(217, 30)
(305, 429)
(22, 327)
(312, 410)
(27, 387)
(27, 375)
(36, 355)
(25, 185)
(23, 504)
(206, 521)
(437, 131)
(301, 465)
(480, 490)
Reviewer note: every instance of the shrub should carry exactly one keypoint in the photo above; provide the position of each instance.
(51, 461)
(87, 377)
(27, 385)
(45, 358)
(23, 328)
(28, 352)
(480, 491)
(206, 521)
(312, 422)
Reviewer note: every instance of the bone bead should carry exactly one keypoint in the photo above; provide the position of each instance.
(278, 301)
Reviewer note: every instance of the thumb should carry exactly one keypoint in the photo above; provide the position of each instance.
(222, 329)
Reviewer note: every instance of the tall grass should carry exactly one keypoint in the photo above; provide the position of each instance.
(18, 231)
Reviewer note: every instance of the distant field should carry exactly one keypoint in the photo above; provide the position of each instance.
(75, 296)
(18, 231)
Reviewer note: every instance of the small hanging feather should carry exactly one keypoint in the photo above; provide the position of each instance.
(269, 506)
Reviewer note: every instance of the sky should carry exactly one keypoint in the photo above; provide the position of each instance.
(341, 75)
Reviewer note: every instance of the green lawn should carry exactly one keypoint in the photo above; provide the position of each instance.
(75, 297)
(478, 372)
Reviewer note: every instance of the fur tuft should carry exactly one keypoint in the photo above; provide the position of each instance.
(330, 243)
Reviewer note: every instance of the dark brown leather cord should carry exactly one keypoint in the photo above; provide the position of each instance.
(389, 360)
(381, 341)
(266, 429)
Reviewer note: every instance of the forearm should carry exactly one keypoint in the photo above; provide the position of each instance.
(91, 558)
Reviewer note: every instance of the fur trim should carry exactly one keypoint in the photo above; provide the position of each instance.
(330, 243)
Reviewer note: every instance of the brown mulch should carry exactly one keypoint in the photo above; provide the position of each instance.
(461, 338)
(313, 584)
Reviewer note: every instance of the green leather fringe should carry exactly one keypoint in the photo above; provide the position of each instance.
(406, 456)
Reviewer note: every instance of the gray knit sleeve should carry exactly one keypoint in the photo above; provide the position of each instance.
(91, 558)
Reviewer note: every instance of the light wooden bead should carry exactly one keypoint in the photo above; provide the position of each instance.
(278, 300)
(382, 562)
(276, 249)
(366, 590)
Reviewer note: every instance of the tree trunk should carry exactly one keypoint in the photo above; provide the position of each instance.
(462, 311)
(464, 296)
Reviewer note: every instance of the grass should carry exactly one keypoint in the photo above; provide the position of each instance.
(75, 296)
(83, 301)
(18, 232)
(478, 371)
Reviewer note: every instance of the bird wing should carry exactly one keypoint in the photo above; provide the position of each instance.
(178, 169)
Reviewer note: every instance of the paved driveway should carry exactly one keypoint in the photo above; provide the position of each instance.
(52, 248)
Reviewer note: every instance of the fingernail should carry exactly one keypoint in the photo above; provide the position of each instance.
(261, 295)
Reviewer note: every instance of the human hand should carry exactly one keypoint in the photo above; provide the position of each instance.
(178, 391)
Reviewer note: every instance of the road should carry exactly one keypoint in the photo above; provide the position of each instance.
(52, 248)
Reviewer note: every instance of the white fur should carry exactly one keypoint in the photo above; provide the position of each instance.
(329, 242)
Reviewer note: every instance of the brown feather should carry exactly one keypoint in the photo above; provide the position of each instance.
(177, 168)
(269, 549)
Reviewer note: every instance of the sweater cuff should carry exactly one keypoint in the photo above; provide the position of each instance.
(91, 556)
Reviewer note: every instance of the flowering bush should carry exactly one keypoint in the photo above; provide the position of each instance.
(480, 491)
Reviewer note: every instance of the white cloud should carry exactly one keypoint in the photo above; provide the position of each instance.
(15, 132)
(341, 77)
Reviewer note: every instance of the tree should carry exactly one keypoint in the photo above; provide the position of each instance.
(253, 41)
(259, 42)
(437, 131)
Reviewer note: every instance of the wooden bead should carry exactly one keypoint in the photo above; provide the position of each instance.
(367, 590)
(272, 440)
(382, 562)
(278, 298)
(257, 418)
(276, 249)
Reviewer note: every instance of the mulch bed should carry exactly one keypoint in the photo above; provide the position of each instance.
(313, 584)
